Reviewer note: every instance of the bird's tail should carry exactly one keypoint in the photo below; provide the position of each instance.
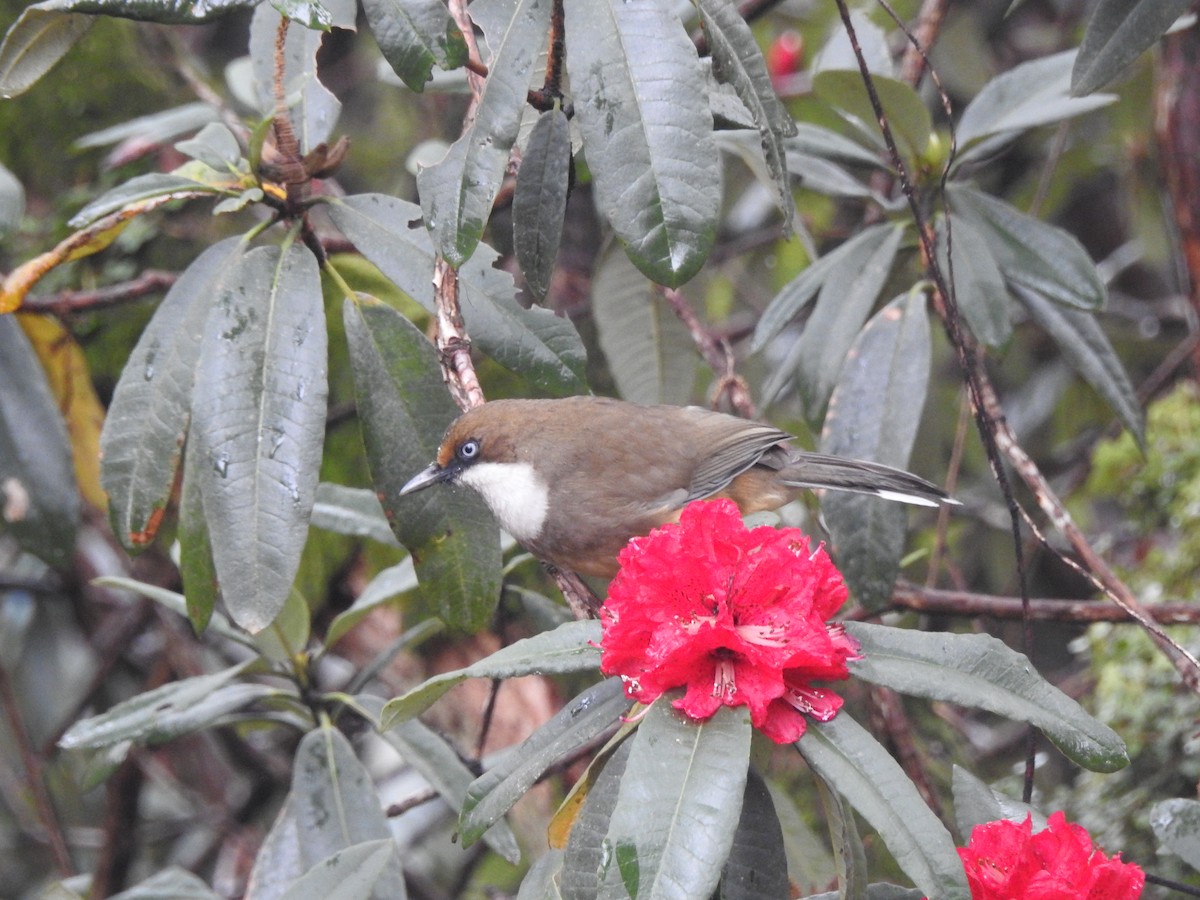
(818, 470)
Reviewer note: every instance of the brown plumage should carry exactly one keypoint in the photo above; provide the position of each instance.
(575, 479)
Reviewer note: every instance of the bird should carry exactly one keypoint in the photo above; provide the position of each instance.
(574, 479)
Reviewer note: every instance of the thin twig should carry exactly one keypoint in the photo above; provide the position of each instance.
(151, 281)
(34, 777)
(717, 353)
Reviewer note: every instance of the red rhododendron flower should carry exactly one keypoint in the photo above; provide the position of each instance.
(735, 615)
(1006, 860)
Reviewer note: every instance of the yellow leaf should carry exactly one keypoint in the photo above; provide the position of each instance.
(71, 384)
(82, 243)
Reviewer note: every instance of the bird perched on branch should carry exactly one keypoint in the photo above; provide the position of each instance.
(574, 479)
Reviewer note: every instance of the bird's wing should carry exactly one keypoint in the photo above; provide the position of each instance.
(732, 453)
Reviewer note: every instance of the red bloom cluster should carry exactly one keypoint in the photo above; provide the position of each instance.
(738, 616)
(1006, 860)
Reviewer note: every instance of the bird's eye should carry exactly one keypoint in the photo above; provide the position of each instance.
(468, 450)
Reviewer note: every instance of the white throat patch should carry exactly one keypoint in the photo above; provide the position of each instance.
(514, 492)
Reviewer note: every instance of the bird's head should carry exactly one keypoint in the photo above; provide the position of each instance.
(481, 450)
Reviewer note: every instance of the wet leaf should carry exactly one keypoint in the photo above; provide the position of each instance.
(850, 761)
(540, 199)
(534, 343)
(147, 421)
(258, 424)
(40, 37)
(404, 409)
(873, 414)
(1028, 95)
(737, 61)
(1037, 256)
(457, 193)
(569, 648)
(643, 112)
(678, 805)
(649, 351)
(978, 670)
(1087, 350)
(579, 722)
(336, 807)
(1117, 33)
(414, 36)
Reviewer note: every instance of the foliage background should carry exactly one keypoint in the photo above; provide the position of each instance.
(205, 801)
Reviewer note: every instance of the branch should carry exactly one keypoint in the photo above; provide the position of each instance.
(151, 281)
(717, 353)
(933, 601)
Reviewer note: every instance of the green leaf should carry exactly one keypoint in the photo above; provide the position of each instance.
(196, 567)
(215, 146)
(846, 259)
(39, 501)
(847, 295)
(258, 420)
(12, 201)
(1030, 252)
(1034, 93)
(873, 414)
(40, 37)
(533, 342)
(757, 865)
(980, 671)
(313, 109)
(824, 177)
(737, 61)
(457, 193)
(221, 626)
(906, 113)
(403, 410)
(414, 36)
(1116, 34)
(585, 850)
(678, 806)
(156, 127)
(975, 803)
(389, 583)
(156, 185)
(351, 511)
(571, 647)
(838, 52)
(850, 856)
(649, 351)
(580, 721)
(816, 140)
(540, 199)
(166, 712)
(1176, 824)
(1086, 348)
(644, 116)
(336, 806)
(171, 883)
(349, 874)
(142, 440)
(848, 759)
(979, 284)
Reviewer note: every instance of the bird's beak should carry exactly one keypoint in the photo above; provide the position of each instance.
(433, 474)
